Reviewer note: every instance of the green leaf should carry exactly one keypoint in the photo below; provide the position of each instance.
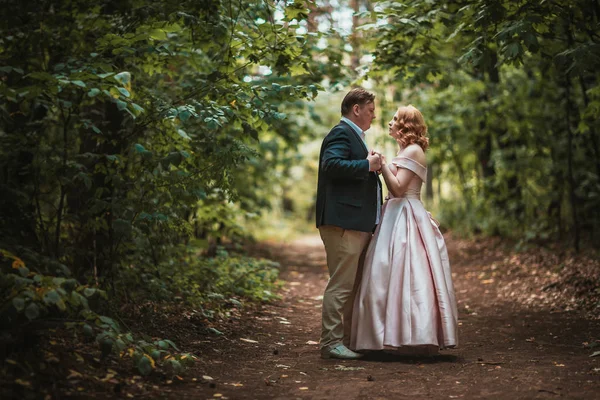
(121, 105)
(123, 78)
(184, 135)
(137, 108)
(184, 115)
(94, 92)
(158, 34)
(88, 330)
(19, 303)
(32, 311)
(79, 83)
(124, 92)
(211, 123)
(139, 148)
(61, 305)
(120, 344)
(298, 69)
(172, 344)
(163, 345)
(176, 365)
(89, 292)
(512, 50)
(58, 281)
(41, 76)
(51, 297)
(109, 321)
(144, 365)
(215, 331)
(279, 116)
(75, 299)
(106, 345)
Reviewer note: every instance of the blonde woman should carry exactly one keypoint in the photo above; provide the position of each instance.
(406, 299)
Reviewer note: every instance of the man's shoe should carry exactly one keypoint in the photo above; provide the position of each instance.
(339, 351)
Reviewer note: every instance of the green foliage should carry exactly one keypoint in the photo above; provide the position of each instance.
(30, 296)
(122, 136)
(208, 283)
(510, 94)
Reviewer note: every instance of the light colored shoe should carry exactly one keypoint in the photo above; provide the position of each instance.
(339, 351)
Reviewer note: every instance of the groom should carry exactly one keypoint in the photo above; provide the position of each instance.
(348, 209)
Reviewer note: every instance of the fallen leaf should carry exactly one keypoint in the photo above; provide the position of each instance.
(248, 340)
(282, 366)
(73, 374)
(23, 383)
(207, 378)
(303, 388)
(285, 322)
(312, 342)
(344, 368)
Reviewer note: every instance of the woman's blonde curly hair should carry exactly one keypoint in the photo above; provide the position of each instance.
(411, 127)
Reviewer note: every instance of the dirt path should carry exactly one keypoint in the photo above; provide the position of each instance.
(509, 349)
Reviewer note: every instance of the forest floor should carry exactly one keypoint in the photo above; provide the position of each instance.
(527, 328)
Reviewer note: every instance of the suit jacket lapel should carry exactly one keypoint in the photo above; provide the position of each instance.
(364, 146)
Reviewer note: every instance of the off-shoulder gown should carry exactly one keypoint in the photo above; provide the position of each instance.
(406, 297)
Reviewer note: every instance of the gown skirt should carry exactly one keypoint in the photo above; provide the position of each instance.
(406, 300)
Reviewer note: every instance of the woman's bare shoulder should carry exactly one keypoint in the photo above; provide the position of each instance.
(414, 152)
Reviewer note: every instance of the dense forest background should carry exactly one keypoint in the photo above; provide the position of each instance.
(142, 141)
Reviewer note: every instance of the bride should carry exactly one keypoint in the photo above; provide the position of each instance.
(406, 299)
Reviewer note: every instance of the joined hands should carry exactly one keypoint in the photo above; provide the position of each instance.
(376, 161)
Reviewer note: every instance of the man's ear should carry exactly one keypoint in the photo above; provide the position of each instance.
(355, 109)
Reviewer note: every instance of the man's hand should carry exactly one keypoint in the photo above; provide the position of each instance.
(374, 161)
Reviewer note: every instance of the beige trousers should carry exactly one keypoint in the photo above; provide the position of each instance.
(345, 254)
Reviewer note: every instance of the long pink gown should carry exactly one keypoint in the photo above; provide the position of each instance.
(406, 298)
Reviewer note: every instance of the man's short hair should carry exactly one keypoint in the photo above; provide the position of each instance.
(356, 96)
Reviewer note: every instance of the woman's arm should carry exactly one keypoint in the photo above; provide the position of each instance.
(397, 179)
(397, 184)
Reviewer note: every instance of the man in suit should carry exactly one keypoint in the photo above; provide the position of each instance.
(348, 209)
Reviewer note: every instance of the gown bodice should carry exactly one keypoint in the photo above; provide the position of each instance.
(413, 190)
